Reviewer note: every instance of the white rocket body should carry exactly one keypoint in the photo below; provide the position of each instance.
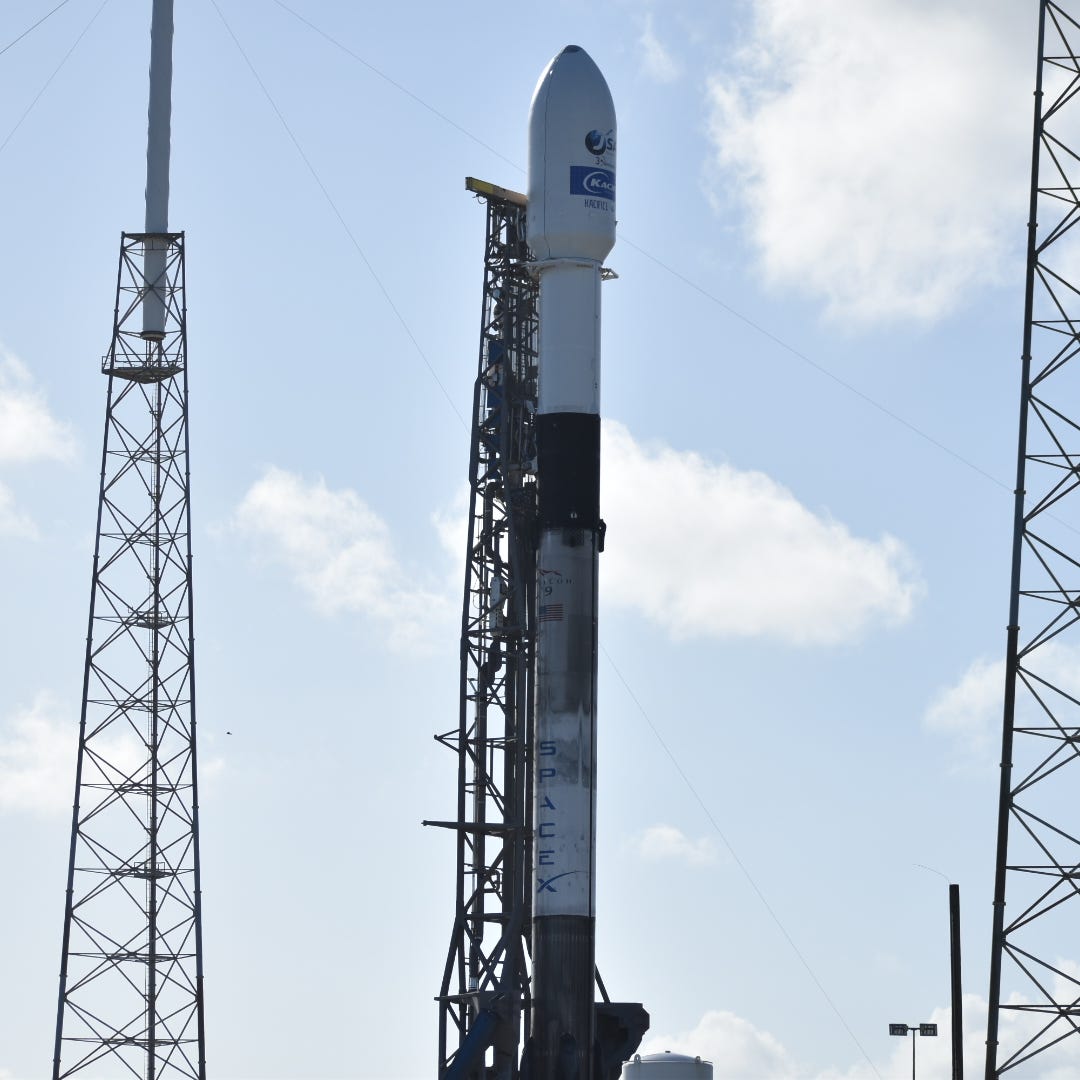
(571, 228)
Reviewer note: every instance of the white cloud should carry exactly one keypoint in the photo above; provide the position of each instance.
(341, 553)
(13, 522)
(881, 148)
(765, 565)
(38, 749)
(1015, 1029)
(28, 433)
(37, 759)
(737, 1049)
(28, 430)
(657, 61)
(752, 560)
(661, 842)
(452, 527)
(970, 711)
(741, 1051)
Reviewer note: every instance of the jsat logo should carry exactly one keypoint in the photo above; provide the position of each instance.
(600, 142)
(586, 180)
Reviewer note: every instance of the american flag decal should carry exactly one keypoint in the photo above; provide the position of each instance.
(551, 612)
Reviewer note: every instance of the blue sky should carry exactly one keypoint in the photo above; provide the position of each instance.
(809, 387)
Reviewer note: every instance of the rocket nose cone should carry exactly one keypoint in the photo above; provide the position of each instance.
(575, 61)
(571, 74)
(573, 56)
(571, 185)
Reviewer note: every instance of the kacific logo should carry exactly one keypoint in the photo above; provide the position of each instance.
(599, 183)
(599, 142)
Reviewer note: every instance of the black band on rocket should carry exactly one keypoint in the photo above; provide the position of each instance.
(568, 465)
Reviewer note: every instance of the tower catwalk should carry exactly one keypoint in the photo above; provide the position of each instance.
(130, 1000)
(484, 996)
(1034, 995)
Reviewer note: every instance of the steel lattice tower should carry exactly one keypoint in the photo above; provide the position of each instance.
(130, 1001)
(1034, 997)
(484, 996)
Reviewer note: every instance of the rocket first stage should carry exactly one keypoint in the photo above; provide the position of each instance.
(571, 228)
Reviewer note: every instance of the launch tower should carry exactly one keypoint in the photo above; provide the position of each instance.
(130, 1000)
(484, 997)
(1034, 996)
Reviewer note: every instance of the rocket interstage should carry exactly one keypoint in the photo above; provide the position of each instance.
(571, 228)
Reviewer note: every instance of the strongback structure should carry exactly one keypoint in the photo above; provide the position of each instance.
(484, 996)
(130, 1000)
(1034, 995)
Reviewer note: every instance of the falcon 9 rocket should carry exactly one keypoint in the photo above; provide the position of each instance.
(571, 228)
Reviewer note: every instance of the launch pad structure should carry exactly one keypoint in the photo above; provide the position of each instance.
(518, 993)
(484, 995)
(484, 999)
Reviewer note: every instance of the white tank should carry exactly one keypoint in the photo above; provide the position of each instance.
(666, 1066)
(571, 191)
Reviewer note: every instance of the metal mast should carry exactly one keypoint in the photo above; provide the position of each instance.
(131, 1001)
(1034, 996)
(484, 996)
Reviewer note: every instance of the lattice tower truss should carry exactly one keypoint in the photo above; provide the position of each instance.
(131, 1001)
(484, 996)
(1034, 997)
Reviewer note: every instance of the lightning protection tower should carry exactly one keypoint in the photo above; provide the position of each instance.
(130, 1001)
(1034, 996)
(484, 995)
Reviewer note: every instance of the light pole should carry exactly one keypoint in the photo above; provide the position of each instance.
(954, 964)
(914, 1029)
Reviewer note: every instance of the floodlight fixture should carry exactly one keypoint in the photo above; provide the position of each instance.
(912, 1029)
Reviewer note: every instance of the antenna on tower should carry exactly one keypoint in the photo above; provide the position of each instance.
(158, 141)
(131, 996)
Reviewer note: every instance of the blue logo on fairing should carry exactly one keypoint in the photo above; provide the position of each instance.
(599, 183)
